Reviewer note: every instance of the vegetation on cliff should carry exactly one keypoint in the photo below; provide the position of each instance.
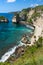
(38, 10)
(26, 16)
(33, 55)
(2, 18)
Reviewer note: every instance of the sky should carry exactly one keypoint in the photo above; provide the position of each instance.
(17, 5)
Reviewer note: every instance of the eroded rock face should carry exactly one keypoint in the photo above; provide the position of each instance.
(3, 19)
(25, 39)
(19, 51)
(14, 19)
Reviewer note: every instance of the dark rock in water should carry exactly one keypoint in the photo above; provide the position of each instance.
(19, 51)
(3, 19)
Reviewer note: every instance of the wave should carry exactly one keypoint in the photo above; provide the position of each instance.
(31, 27)
(10, 52)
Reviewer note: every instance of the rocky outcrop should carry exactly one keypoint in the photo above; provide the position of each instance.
(14, 19)
(19, 51)
(3, 19)
(30, 14)
(25, 39)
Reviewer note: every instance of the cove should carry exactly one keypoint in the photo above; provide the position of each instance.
(11, 34)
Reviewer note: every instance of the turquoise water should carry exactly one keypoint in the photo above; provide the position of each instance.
(11, 34)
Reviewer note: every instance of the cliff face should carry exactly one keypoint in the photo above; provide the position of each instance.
(28, 15)
(34, 17)
(14, 19)
(37, 19)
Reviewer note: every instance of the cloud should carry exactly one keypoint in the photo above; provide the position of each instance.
(34, 5)
(11, 0)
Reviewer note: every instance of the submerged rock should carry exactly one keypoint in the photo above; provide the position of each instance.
(3, 19)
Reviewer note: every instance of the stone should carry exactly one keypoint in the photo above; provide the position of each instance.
(19, 51)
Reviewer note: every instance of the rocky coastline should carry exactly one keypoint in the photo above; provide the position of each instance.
(20, 50)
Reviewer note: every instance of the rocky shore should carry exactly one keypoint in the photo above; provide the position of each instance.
(20, 50)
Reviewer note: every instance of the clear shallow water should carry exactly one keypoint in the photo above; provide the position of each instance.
(11, 34)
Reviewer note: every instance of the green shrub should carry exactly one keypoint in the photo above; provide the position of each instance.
(2, 17)
(30, 21)
(39, 43)
(36, 15)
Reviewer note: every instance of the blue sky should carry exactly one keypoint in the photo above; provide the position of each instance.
(17, 5)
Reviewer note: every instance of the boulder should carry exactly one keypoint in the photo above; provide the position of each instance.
(19, 51)
(25, 39)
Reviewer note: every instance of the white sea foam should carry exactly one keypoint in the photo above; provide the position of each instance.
(28, 26)
(9, 53)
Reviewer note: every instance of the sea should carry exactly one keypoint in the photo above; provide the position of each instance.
(10, 36)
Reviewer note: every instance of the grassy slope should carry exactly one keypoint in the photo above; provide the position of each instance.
(32, 56)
